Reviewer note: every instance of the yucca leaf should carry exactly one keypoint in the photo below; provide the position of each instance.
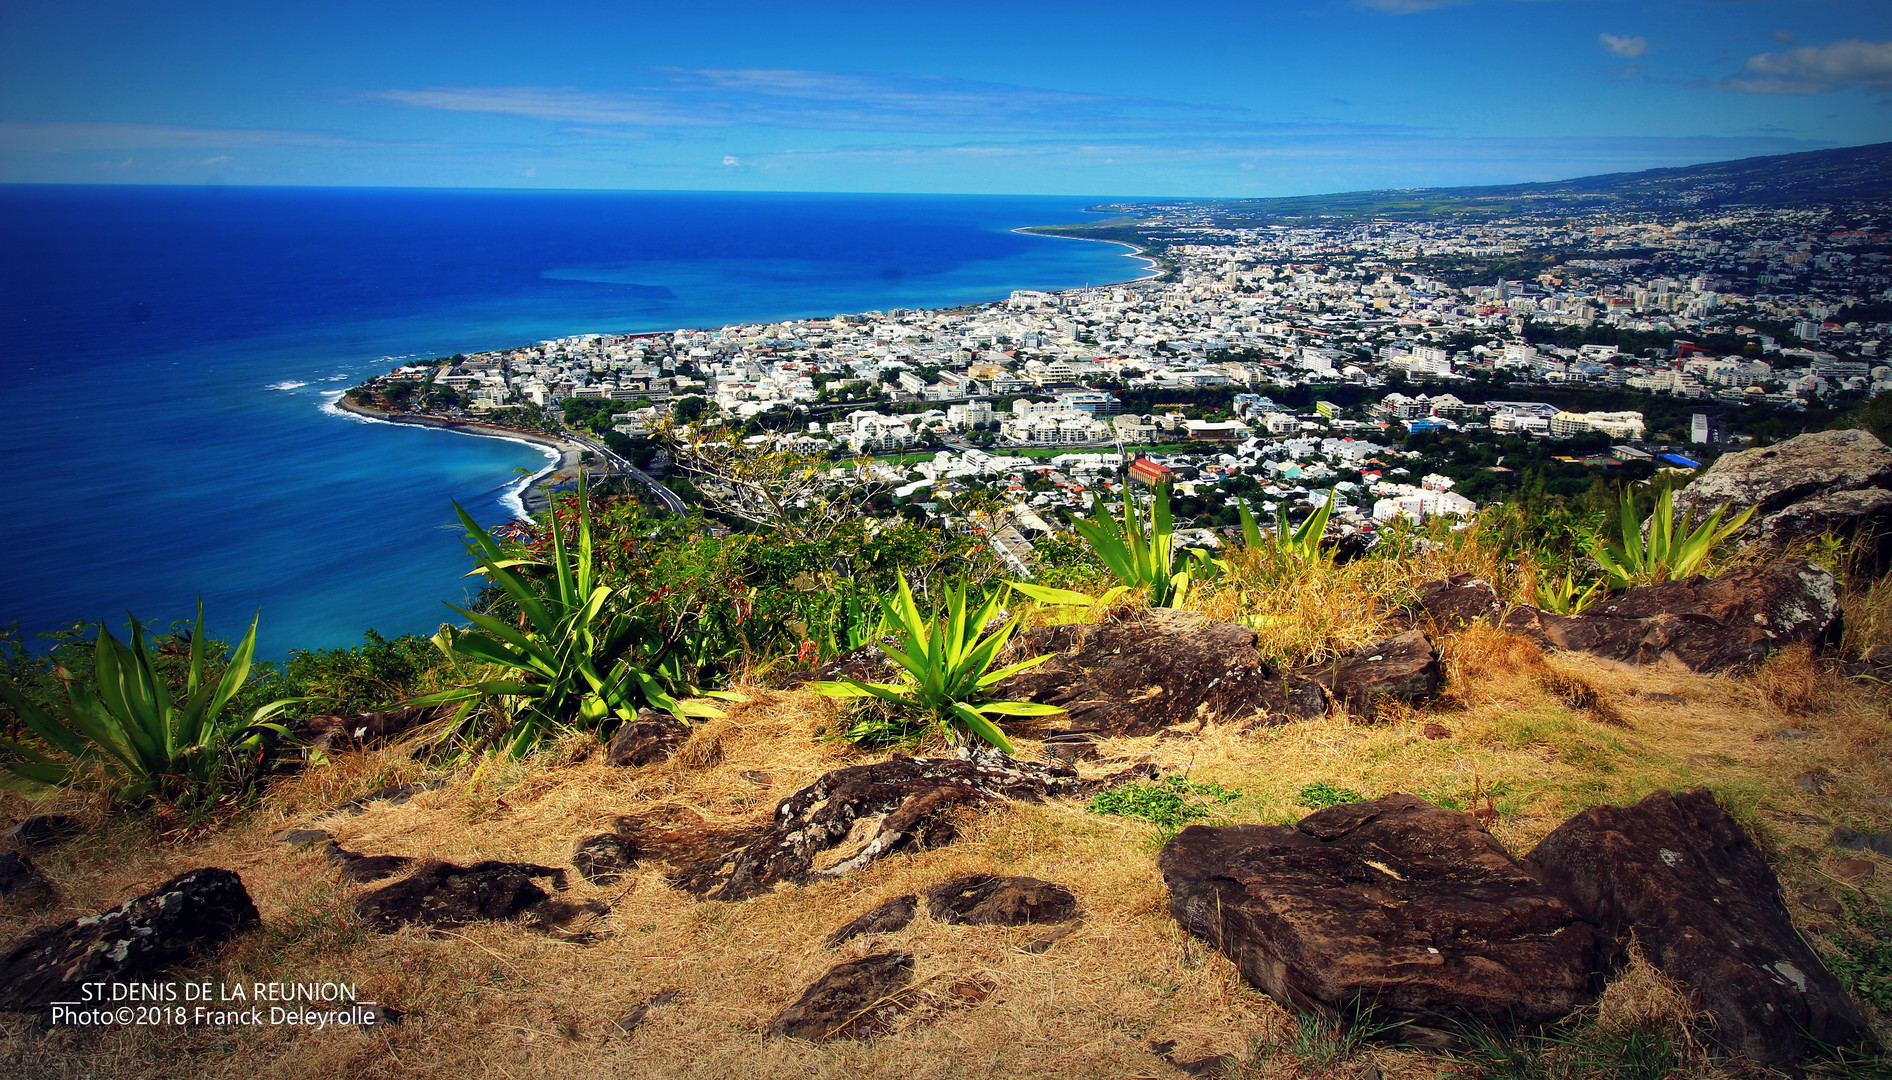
(983, 728)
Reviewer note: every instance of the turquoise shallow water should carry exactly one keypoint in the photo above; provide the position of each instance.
(168, 355)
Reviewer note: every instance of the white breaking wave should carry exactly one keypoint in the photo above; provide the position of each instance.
(284, 385)
(330, 397)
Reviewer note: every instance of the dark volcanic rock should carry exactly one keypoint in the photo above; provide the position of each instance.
(1878, 843)
(20, 882)
(653, 736)
(854, 816)
(1710, 624)
(363, 869)
(1459, 601)
(129, 943)
(984, 900)
(893, 915)
(1822, 481)
(300, 838)
(393, 795)
(45, 830)
(1681, 876)
(843, 999)
(602, 858)
(1392, 904)
(441, 894)
(1403, 668)
(1149, 672)
(362, 729)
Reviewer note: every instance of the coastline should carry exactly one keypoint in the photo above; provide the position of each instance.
(1152, 270)
(526, 494)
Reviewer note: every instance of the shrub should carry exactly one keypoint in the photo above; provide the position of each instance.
(1660, 549)
(147, 737)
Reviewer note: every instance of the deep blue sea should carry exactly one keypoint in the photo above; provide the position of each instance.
(168, 353)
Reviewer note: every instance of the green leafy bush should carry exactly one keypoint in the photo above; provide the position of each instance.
(1169, 803)
(571, 658)
(145, 736)
(1322, 794)
(944, 657)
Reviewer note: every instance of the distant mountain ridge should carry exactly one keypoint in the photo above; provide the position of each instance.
(1806, 178)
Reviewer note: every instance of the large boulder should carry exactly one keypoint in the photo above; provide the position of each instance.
(1393, 905)
(1460, 600)
(1680, 876)
(1727, 623)
(1810, 484)
(852, 817)
(840, 1004)
(132, 942)
(1156, 669)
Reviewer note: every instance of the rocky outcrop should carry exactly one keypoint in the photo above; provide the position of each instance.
(985, 900)
(134, 941)
(1402, 668)
(1677, 873)
(1728, 623)
(1154, 670)
(893, 915)
(855, 816)
(1395, 905)
(603, 857)
(442, 894)
(653, 736)
(1456, 602)
(841, 1002)
(1814, 483)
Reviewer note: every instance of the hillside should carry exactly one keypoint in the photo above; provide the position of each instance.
(1380, 764)
(1822, 177)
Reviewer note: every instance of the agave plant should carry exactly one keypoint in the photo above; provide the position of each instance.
(129, 724)
(1141, 554)
(570, 659)
(1661, 548)
(944, 657)
(1299, 545)
(1565, 598)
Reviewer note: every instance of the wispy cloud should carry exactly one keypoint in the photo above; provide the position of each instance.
(829, 101)
(1629, 48)
(1407, 7)
(105, 135)
(1814, 70)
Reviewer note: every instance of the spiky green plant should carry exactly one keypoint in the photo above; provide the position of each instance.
(1565, 598)
(1140, 553)
(944, 658)
(1661, 549)
(570, 660)
(129, 725)
(1299, 545)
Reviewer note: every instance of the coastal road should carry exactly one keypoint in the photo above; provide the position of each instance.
(664, 495)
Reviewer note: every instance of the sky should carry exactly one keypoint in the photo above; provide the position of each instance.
(1200, 99)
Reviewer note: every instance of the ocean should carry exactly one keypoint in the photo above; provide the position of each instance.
(170, 358)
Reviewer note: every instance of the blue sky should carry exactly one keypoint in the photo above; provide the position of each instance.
(1209, 98)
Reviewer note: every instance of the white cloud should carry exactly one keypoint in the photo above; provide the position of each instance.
(731, 159)
(1629, 48)
(1814, 70)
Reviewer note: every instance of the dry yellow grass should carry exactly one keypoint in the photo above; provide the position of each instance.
(1539, 736)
